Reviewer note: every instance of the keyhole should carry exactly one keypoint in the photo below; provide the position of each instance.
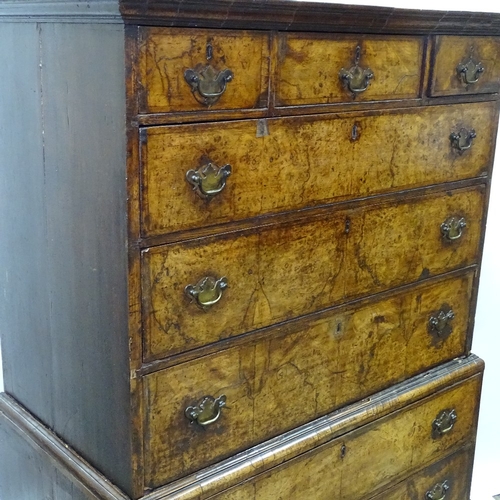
(210, 51)
(357, 57)
(355, 132)
(347, 226)
(343, 451)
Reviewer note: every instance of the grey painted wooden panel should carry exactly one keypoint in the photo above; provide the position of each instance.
(63, 250)
(83, 85)
(24, 304)
(27, 473)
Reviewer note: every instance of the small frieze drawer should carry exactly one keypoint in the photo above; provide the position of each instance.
(324, 69)
(465, 65)
(199, 70)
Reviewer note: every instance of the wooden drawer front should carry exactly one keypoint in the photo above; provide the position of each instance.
(280, 272)
(309, 68)
(450, 476)
(357, 464)
(299, 165)
(166, 54)
(469, 53)
(270, 383)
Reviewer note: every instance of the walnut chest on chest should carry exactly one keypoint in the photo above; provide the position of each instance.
(244, 249)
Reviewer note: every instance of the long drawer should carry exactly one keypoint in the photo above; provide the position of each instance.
(243, 169)
(373, 456)
(448, 479)
(288, 378)
(208, 289)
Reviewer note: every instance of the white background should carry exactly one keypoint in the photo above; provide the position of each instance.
(486, 479)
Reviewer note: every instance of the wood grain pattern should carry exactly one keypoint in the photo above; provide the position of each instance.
(298, 164)
(450, 51)
(380, 453)
(283, 381)
(308, 68)
(455, 469)
(314, 263)
(165, 55)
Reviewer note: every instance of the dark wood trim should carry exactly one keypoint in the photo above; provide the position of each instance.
(283, 15)
(72, 465)
(278, 450)
(286, 15)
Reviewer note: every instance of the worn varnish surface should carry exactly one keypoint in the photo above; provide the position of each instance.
(365, 461)
(309, 66)
(302, 162)
(455, 469)
(166, 54)
(281, 381)
(450, 51)
(277, 273)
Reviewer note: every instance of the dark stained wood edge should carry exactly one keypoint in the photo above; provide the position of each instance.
(68, 461)
(306, 16)
(278, 450)
(272, 219)
(255, 14)
(294, 325)
(134, 264)
(311, 109)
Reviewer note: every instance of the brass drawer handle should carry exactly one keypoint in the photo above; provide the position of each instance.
(444, 422)
(470, 71)
(439, 325)
(207, 292)
(209, 180)
(452, 228)
(207, 411)
(438, 492)
(208, 85)
(462, 140)
(356, 79)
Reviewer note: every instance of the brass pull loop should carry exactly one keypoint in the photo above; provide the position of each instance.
(444, 422)
(207, 292)
(439, 325)
(470, 71)
(356, 79)
(452, 228)
(208, 85)
(438, 492)
(207, 411)
(209, 180)
(463, 139)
